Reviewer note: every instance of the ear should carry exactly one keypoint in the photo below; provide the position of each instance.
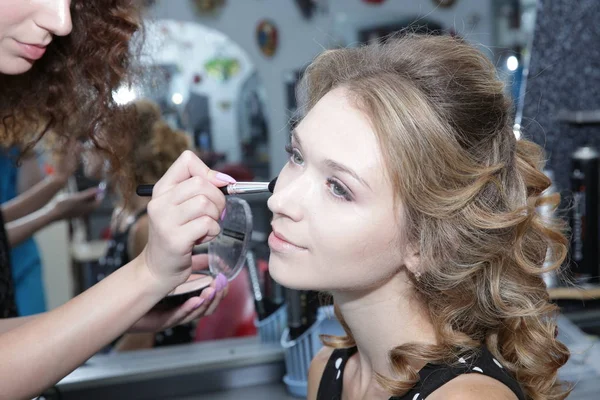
(412, 259)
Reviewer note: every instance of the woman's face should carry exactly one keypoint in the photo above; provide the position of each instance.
(27, 28)
(335, 227)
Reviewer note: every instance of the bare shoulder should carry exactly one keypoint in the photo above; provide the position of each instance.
(473, 387)
(315, 371)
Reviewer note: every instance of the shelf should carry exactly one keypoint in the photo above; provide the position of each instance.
(581, 117)
(571, 293)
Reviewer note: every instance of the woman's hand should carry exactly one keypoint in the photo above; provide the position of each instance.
(197, 307)
(74, 205)
(186, 207)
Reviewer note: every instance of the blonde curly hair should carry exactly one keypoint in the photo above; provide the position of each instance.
(155, 145)
(470, 192)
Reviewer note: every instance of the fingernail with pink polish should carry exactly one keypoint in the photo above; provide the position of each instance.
(225, 178)
(198, 304)
(223, 214)
(212, 294)
(220, 282)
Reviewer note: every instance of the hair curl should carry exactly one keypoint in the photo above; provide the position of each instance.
(68, 93)
(155, 145)
(470, 193)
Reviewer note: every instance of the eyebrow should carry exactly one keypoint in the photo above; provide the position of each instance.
(334, 165)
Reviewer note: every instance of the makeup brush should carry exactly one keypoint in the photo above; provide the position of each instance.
(233, 188)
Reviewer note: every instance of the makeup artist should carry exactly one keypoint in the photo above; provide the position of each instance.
(60, 60)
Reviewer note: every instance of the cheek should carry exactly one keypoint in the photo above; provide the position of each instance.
(355, 247)
(14, 13)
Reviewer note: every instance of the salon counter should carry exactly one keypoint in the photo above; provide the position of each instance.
(247, 369)
(232, 368)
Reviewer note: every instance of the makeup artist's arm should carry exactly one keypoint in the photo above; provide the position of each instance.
(41, 193)
(8, 324)
(29, 174)
(33, 199)
(38, 353)
(68, 206)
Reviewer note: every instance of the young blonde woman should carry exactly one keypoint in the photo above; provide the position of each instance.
(409, 200)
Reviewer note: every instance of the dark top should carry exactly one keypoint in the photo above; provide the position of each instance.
(432, 376)
(117, 253)
(8, 306)
(116, 256)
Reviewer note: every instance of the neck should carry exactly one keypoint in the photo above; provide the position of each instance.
(381, 319)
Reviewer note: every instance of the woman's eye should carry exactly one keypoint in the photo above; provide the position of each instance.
(338, 190)
(295, 155)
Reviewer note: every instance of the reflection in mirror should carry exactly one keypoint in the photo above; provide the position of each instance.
(204, 87)
(207, 86)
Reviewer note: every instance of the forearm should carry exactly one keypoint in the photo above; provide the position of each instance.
(23, 228)
(8, 324)
(38, 354)
(33, 199)
(30, 173)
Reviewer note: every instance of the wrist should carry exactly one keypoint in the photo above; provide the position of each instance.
(152, 285)
(58, 180)
(51, 214)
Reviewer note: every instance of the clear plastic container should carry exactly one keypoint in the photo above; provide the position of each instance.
(271, 328)
(300, 352)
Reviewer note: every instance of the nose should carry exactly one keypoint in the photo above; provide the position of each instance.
(288, 196)
(55, 17)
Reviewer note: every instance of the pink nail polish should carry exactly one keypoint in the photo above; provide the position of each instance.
(223, 214)
(212, 295)
(225, 178)
(220, 282)
(198, 304)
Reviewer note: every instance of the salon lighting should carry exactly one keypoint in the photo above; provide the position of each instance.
(177, 98)
(124, 95)
(517, 131)
(512, 63)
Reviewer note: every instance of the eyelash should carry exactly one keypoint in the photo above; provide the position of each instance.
(332, 184)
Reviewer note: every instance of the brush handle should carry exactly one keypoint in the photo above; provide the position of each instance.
(146, 190)
(233, 188)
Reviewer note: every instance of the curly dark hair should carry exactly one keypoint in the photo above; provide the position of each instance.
(72, 85)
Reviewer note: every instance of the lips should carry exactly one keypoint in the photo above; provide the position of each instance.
(31, 51)
(279, 242)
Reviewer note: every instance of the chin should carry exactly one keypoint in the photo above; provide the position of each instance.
(15, 66)
(292, 276)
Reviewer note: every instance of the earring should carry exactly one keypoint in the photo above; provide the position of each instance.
(418, 276)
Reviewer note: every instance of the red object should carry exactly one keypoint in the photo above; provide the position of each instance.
(106, 233)
(234, 317)
(48, 169)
